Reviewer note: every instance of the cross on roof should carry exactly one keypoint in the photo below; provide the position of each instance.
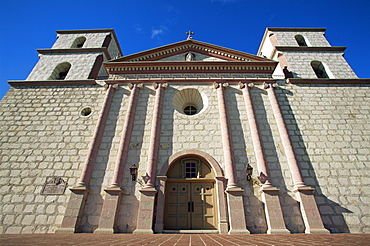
(189, 33)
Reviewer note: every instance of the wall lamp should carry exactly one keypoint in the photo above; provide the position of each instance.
(133, 172)
(249, 171)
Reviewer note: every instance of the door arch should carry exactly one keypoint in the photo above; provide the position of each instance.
(209, 181)
(190, 197)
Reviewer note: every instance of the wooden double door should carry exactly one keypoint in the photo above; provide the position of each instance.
(190, 205)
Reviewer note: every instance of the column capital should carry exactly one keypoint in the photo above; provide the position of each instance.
(217, 85)
(243, 84)
(163, 85)
(139, 86)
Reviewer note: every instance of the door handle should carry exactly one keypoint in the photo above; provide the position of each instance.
(190, 207)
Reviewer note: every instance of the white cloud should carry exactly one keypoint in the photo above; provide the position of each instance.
(156, 32)
(161, 30)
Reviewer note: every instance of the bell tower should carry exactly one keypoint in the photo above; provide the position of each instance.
(77, 55)
(304, 53)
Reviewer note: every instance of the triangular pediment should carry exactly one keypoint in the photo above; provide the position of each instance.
(191, 50)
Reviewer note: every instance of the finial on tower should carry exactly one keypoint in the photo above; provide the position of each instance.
(189, 33)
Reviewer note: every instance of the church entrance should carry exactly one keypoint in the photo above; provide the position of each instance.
(190, 200)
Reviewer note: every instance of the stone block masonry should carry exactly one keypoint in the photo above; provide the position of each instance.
(43, 134)
(330, 129)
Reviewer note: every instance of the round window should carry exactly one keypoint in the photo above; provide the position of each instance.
(86, 111)
(190, 110)
(189, 101)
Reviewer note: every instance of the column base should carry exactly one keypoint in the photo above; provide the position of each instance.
(236, 211)
(107, 221)
(75, 206)
(146, 211)
(310, 212)
(241, 231)
(273, 211)
(103, 231)
(143, 231)
(277, 231)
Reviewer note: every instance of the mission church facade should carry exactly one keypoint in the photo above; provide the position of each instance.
(187, 137)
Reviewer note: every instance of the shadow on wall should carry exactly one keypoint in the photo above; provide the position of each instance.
(330, 211)
(290, 207)
(94, 203)
(129, 204)
(253, 206)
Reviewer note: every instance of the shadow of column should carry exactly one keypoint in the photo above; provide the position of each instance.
(94, 202)
(331, 212)
(253, 206)
(129, 204)
(290, 209)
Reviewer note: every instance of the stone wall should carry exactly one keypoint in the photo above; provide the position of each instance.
(329, 126)
(42, 135)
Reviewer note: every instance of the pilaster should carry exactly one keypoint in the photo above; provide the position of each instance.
(107, 221)
(147, 197)
(270, 195)
(234, 193)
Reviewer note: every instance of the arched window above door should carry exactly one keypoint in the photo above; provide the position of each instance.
(189, 168)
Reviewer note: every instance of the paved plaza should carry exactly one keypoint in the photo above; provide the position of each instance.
(184, 239)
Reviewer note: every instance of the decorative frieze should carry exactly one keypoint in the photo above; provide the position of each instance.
(187, 76)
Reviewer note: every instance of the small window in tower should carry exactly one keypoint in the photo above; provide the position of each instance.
(300, 40)
(190, 110)
(79, 42)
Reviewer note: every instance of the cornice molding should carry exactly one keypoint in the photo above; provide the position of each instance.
(190, 67)
(51, 82)
(233, 81)
(75, 50)
(327, 81)
(297, 29)
(310, 48)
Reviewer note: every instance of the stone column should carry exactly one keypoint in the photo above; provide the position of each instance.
(305, 197)
(107, 221)
(270, 195)
(146, 206)
(76, 204)
(234, 193)
(159, 222)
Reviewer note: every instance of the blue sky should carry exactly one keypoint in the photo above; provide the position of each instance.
(144, 24)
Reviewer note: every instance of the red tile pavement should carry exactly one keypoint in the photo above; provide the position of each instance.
(184, 239)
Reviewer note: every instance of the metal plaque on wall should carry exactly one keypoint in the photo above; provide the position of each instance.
(54, 186)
